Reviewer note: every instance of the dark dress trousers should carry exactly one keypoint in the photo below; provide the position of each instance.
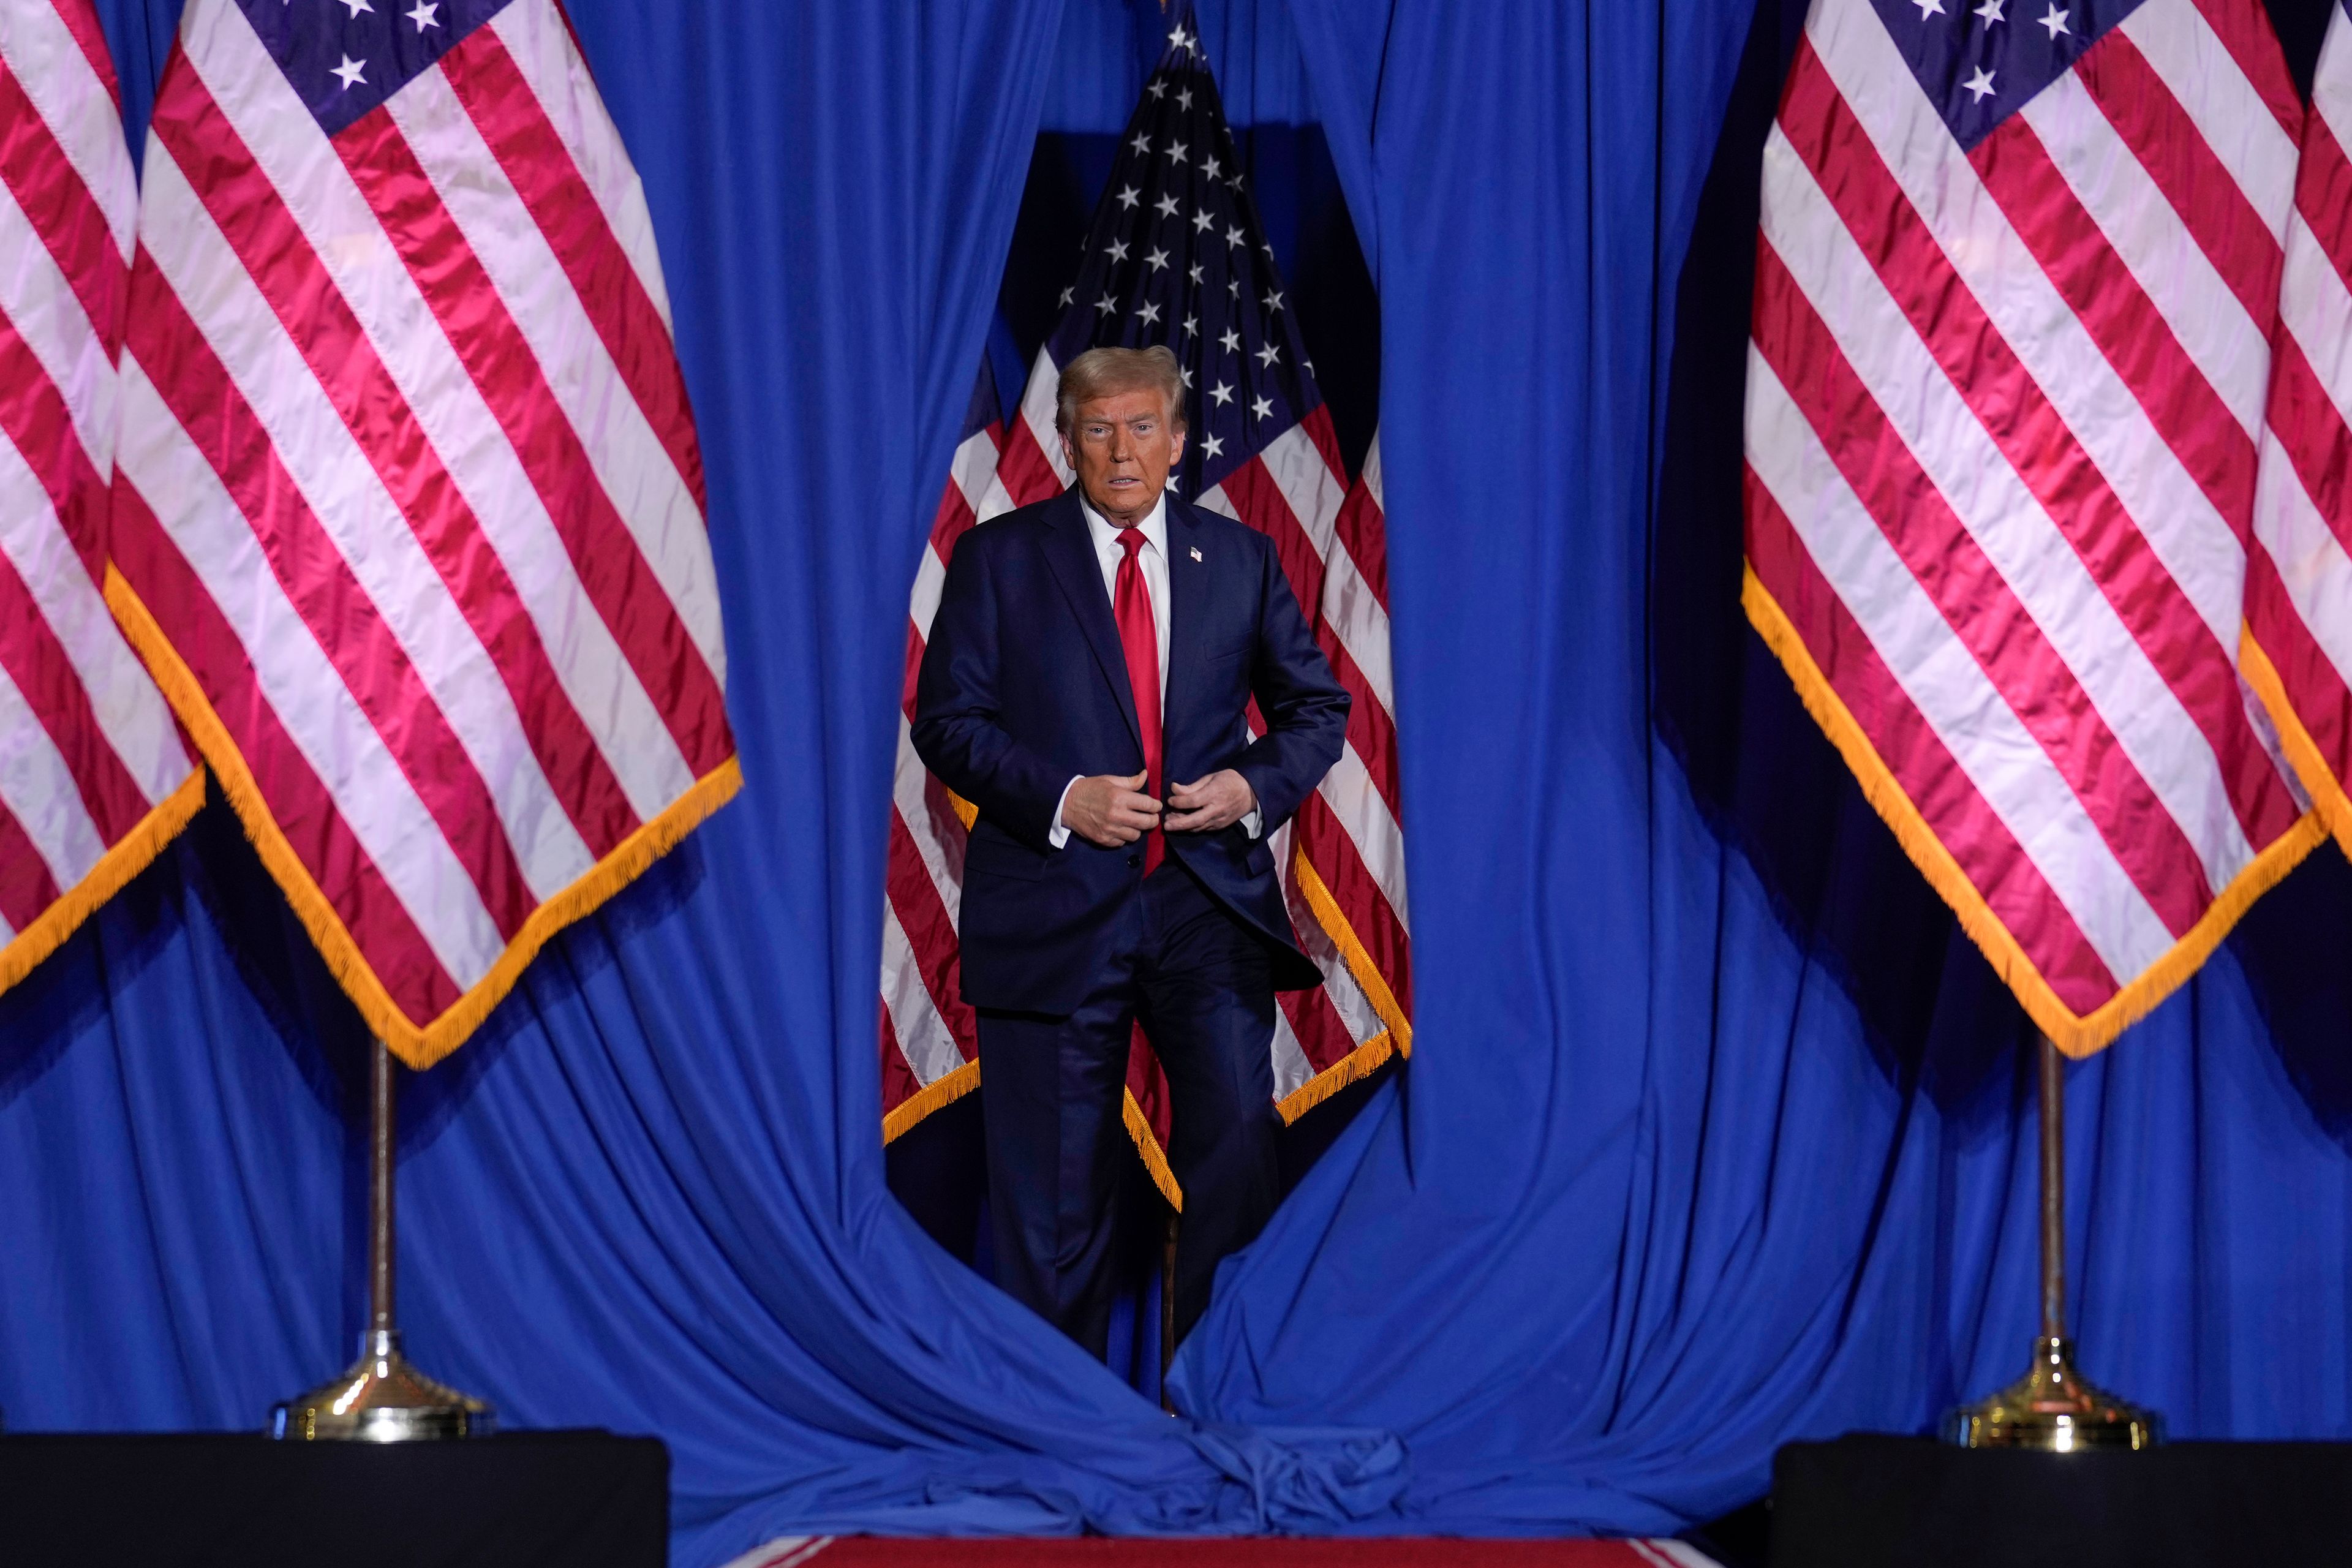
(1024, 686)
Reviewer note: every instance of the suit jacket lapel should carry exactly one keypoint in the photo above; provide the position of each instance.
(1071, 550)
(1188, 588)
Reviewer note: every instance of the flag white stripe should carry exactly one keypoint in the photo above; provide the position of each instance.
(65, 89)
(2193, 540)
(1363, 813)
(37, 789)
(2205, 314)
(1361, 624)
(1992, 747)
(1295, 465)
(973, 467)
(1372, 476)
(536, 39)
(334, 477)
(325, 204)
(129, 710)
(2025, 546)
(1292, 1070)
(37, 300)
(924, 1038)
(972, 471)
(2331, 87)
(626, 454)
(907, 796)
(1315, 496)
(930, 582)
(294, 675)
(2310, 558)
(2316, 308)
(2229, 112)
(1039, 402)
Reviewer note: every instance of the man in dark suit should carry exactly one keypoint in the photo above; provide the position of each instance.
(1087, 685)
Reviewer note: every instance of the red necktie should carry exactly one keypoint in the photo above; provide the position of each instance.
(1130, 603)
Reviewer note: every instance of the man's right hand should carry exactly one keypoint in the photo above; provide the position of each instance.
(1108, 810)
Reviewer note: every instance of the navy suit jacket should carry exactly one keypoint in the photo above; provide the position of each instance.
(1023, 686)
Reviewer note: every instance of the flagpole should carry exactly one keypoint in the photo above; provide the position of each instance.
(2053, 1406)
(1168, 1308)
(381, 1398)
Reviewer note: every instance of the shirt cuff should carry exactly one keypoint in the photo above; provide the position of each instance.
(1253, 824)
(1059, 834)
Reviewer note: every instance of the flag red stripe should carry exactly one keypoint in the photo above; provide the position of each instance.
(955, 516)
(26, 886)
(318, 319)
(1023, 470)
(61, 209)
(1363, 528)
(1370, 729)
(34, 419)
(296, 799)
(2168, 144)
(930, 933)
(899, 1084)
(36, 662)
(2244, 29)
(1323, 1036)
(539, 166)
(2035, 439)
(2313, 684)
(2121, 319)
(319, 584)
(1262, 505)
(612, 569)
(914, 670)
(2323, 194)
(1995, 864)
(1983, 612)
(2311, 433)
(81, 21)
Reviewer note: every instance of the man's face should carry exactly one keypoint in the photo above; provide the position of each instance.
(1122, 447)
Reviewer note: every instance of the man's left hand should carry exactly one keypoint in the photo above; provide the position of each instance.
(1207, 804)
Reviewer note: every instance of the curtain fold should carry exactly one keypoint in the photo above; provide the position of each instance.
(1717, 1131)
(649, 1195)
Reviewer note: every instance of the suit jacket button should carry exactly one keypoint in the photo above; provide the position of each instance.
(1135, 859)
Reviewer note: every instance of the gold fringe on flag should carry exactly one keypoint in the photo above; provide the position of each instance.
(418, 1045)
(2077, 1034)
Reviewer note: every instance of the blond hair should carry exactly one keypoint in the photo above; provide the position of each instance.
(1106, 372)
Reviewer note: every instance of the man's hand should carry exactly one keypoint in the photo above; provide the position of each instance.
(1110, 810)
(1207, 804)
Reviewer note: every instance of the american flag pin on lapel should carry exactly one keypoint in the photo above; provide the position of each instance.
(1196, 553)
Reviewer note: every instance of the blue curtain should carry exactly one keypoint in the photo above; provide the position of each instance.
(1716, 1134)
(1712, 1135)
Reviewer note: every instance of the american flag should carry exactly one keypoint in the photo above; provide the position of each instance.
(2299, 586)
(93, 777)
(2019, 266)
(1176, 255)
(409, 517)
(930, 1051)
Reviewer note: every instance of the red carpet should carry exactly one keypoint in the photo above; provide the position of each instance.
(1245, 1552)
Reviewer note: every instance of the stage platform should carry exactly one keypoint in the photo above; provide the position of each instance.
(199, 1499)
(1230, 1552)
(1871, 1501)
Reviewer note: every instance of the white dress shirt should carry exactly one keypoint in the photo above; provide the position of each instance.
(1153, 560)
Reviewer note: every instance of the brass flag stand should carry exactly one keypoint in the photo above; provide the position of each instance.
(381, 1398)
(2052, 1407)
